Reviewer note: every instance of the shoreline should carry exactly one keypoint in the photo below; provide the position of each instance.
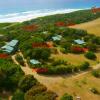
(28, 15)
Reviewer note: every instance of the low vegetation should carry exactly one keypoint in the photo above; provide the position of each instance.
(96, 73)
(90, 55)
(66, 97)
(20, 60)
(13, 79)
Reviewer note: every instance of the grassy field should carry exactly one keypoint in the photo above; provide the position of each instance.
(76, 59)
(76, 85)
(92, 27)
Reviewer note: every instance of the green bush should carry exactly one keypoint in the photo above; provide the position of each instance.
(39, 92)
(84, 66)
(96, 73)
(59, 62)
(10, 74)
(41, 53)
(62, 69)
(90, 55)
(66, 46)
(75, 68)
(37, 89)
(93, 47)
(27, 82)
(18, 95)
(66, 97)
(46, 96)
(20, 60)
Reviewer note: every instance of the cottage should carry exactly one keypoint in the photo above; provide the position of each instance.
(13, 43)
(34, 62)
(80, 42)
(10, 47)
(57, 38)
(7, 49)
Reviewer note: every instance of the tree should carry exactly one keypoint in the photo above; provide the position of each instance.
(59, 62)
(90, 55)
(39, 92)
(41, 53)
(37, 89)
(96, 40)
(84, 66)
(66, 45)
(18, 95)
(66, 97)
(27, 82)
(92, 47)
(96, 73)
(20, 60)
(10, 74)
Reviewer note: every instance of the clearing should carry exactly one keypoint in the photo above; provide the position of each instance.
(92, 27)
(76, 84)
(76, 59)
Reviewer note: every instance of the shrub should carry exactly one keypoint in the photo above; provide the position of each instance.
(46, 96)
(69, 69)
(39, 92)
(10, 74)
(65, 46)
(96, 73)
(90, 55)
(41, 53)
(59, 62)
(84, 66)
(27, 82)
(20, 60)
(94, 90)
(66, 97)
(18, 95)
(59, 70)
(37, 89)
(92, 47)
(63, 50)
(75, 69)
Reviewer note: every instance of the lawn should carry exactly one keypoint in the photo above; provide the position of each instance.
(74, 85)
(92, 27)
(75, 59)
(80, 86)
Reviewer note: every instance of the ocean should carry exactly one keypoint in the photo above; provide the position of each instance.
(21, 10)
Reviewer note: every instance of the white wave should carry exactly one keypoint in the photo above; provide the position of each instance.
(23, 16)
